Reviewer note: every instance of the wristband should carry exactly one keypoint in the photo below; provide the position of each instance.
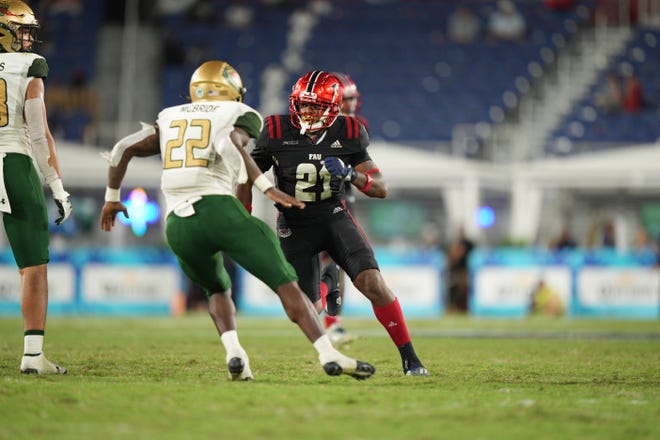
(57, 189)
(367, 186)
(248, 208)
(262, 183)
(112, 194)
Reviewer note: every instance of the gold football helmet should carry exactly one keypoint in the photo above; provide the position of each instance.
(18, 26)
(216, 81)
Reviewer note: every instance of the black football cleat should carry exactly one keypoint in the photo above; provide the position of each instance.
(414, 368)
(361, 371)
(418, 370)
(239, 369)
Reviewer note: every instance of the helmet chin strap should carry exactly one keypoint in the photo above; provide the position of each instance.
(306, 127)
(306, 124)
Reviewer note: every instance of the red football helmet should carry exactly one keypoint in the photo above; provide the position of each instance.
(350, 94)
(315, 101)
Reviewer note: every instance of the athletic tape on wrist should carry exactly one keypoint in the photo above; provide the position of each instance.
(262, 183)
(112, 194)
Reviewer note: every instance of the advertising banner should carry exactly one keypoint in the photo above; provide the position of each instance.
(414, 277)
(602, 283)
(508, 291)
(61, 288)
(620, 292)
(107, 281)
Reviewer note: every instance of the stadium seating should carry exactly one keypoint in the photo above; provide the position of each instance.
(589, 125)
(416, 85)
(70, 46)
(249, 49)
(429, 84)
(71, 38)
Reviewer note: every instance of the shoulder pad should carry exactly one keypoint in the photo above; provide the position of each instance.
(38, 68)
(352, 127)
(274, 124)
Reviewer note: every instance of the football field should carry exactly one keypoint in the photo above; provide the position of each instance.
(165, 378)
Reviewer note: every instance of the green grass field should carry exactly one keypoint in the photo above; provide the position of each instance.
(165, 378)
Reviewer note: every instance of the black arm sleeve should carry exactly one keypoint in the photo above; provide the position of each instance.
(260, 153)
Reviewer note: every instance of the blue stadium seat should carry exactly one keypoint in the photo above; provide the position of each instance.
(640, 55)
(473, 77)
(411, 74)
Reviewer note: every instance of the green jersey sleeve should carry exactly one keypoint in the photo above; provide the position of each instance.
(250, 122)
(38, 69)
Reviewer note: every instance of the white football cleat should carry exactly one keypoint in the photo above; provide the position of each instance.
(338, 336)
(40, 365)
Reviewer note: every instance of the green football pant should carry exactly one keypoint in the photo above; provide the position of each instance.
(27, 225)
(221, 224)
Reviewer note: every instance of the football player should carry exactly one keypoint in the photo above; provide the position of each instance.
(332, 278)
(24, 132)
(203, 150)
(351, 98)
(313, 151)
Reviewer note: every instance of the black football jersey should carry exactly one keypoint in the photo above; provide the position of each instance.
(297, 161)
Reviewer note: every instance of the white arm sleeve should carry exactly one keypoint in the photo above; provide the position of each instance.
(118, 150)
(34, 116)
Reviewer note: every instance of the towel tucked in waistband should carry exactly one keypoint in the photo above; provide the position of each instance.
(4, 198)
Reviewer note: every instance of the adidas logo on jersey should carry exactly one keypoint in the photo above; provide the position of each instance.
(335, 144)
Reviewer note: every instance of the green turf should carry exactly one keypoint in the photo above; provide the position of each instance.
(165, 378)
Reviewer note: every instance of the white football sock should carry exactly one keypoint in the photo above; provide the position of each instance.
(232, 346)
(327, 353)
(33, 344)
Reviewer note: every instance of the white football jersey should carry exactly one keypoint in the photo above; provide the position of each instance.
(14, 79)
(198, 155)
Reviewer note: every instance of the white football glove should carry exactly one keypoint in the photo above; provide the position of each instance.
(61, 198)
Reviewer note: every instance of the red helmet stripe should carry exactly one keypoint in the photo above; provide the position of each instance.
(6, 11)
